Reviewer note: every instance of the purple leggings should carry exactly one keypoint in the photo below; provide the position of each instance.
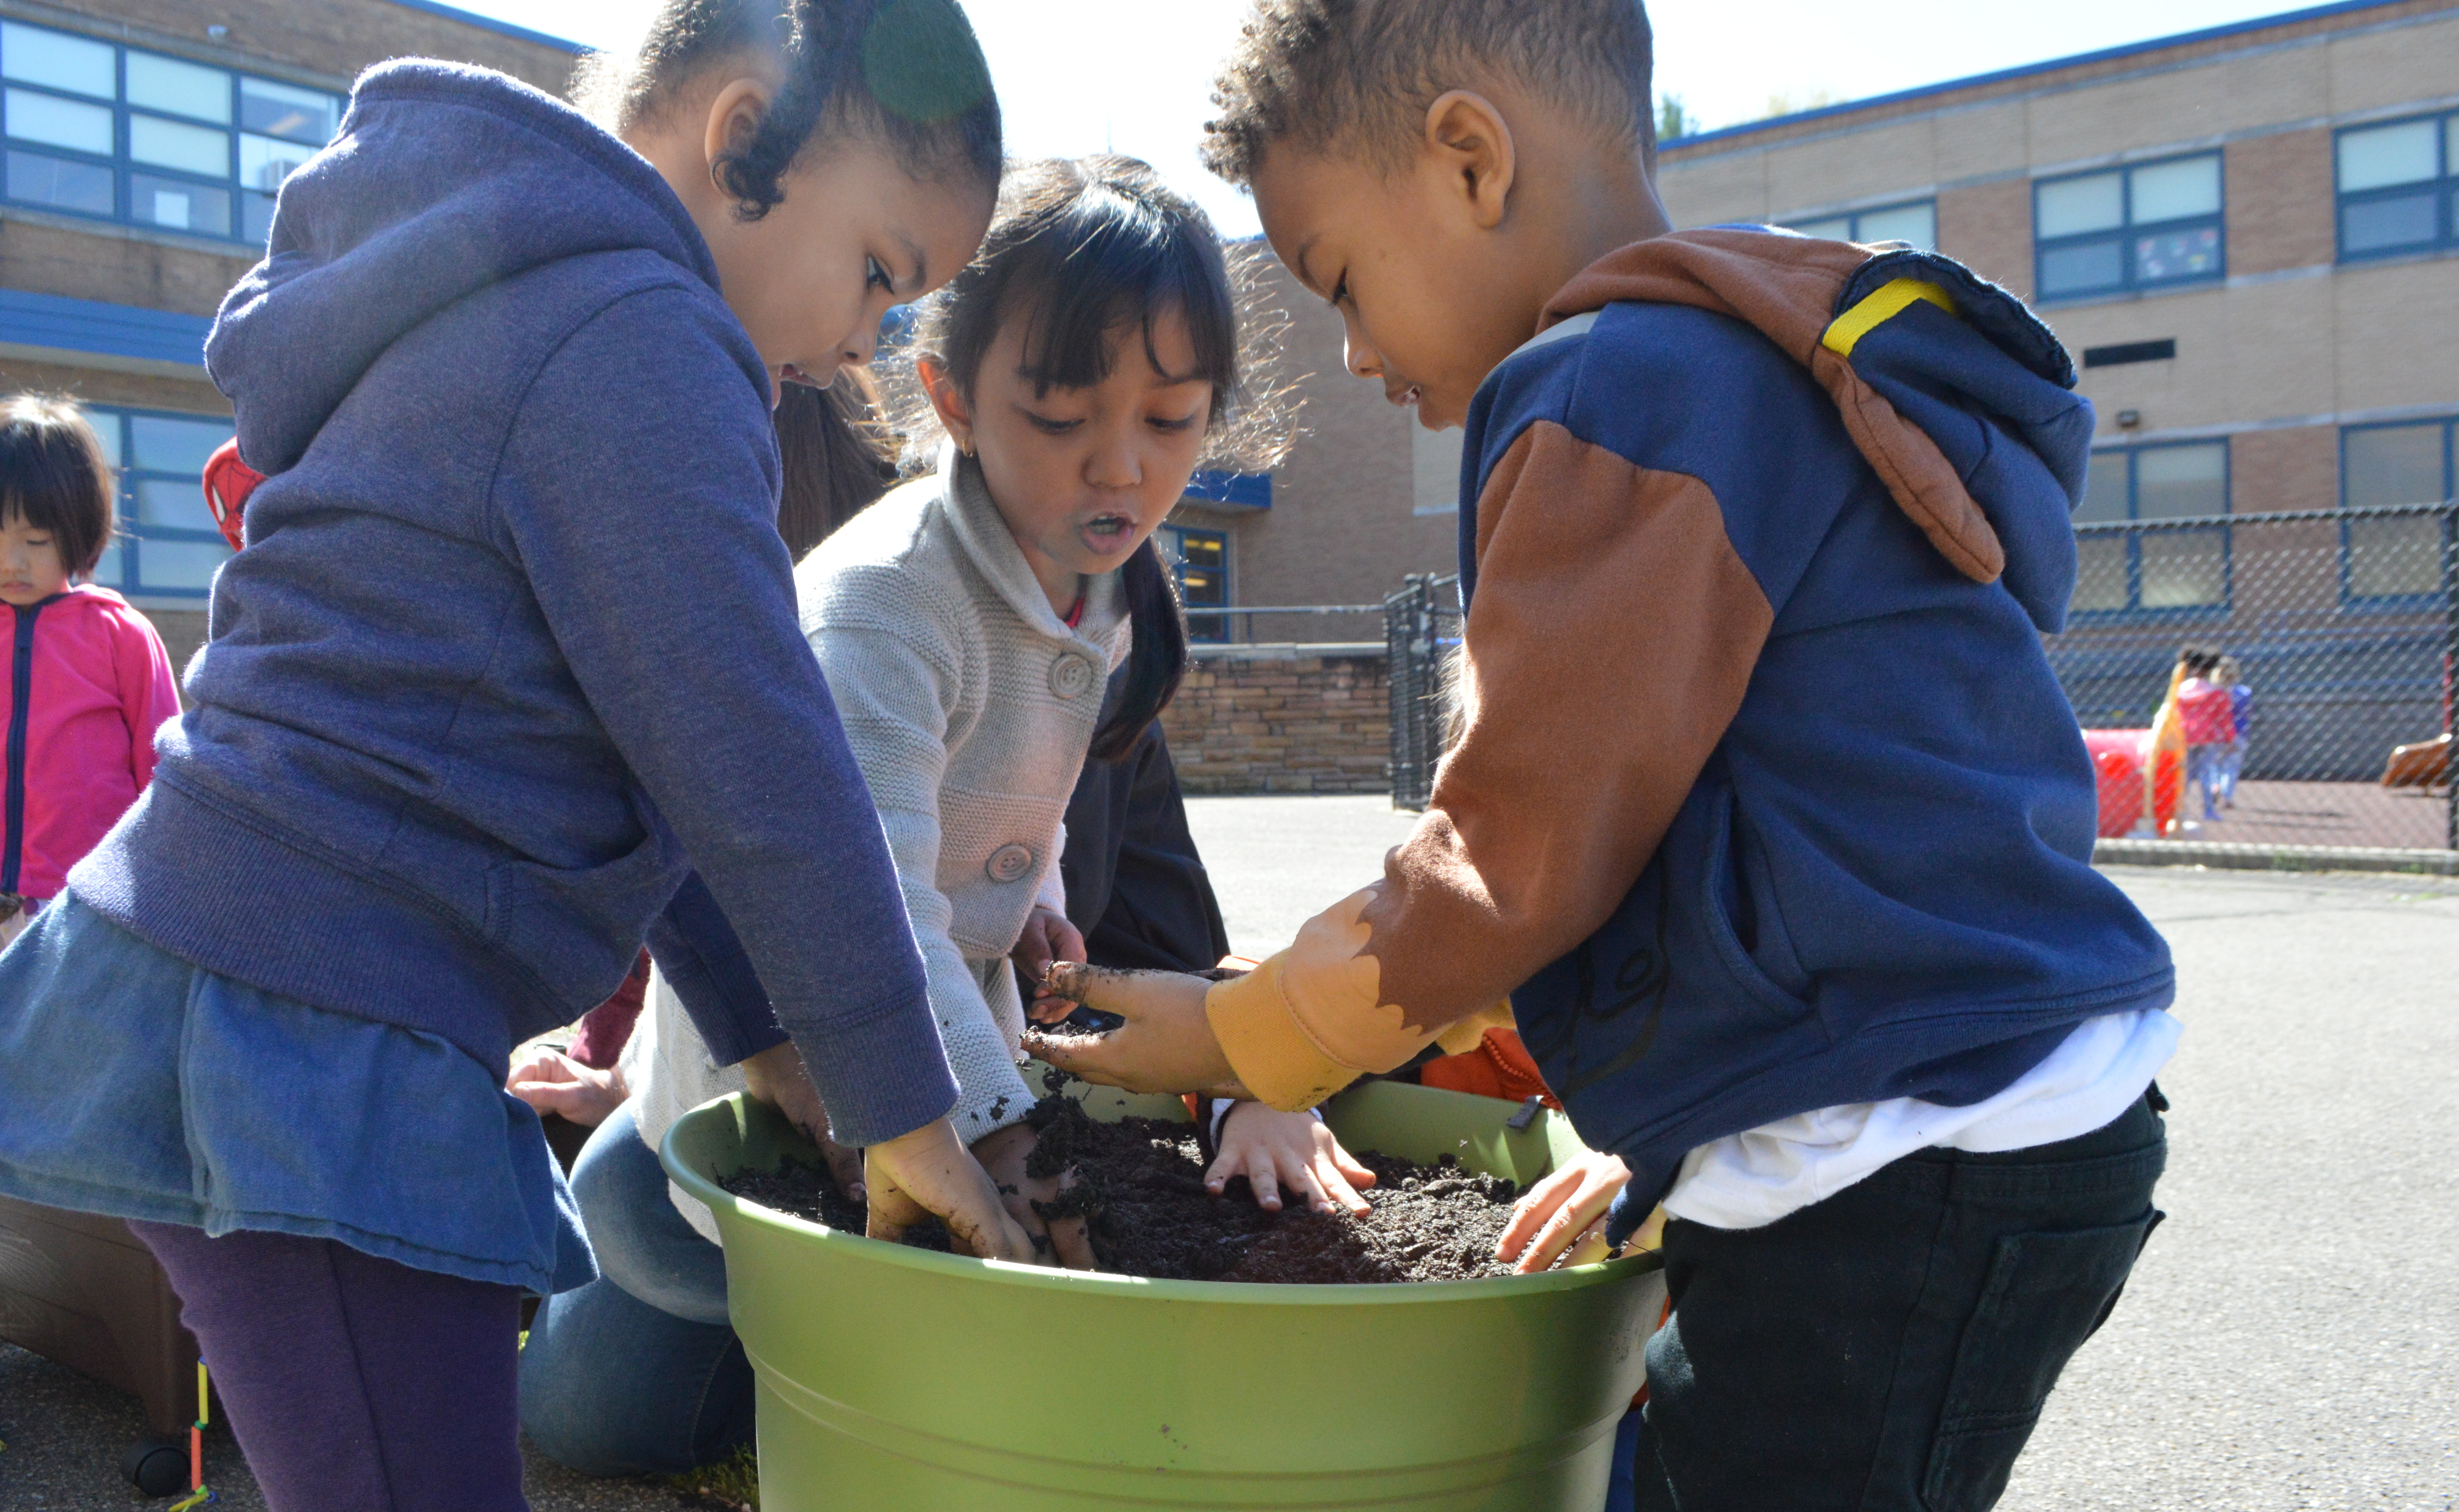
(355, 1384)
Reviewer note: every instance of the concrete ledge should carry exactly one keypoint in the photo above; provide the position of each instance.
(1284, 650)
(2274, 858)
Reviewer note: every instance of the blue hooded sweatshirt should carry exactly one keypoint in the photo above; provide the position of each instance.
(1767, 800)
(514, 634)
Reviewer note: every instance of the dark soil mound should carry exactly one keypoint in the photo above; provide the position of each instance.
(812, 1192)
(1139, 1185)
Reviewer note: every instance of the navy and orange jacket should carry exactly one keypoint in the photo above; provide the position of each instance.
(1766, 799)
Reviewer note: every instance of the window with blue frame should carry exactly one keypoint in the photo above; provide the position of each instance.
(96, 129)
(2392, 557)
(1915, 223)
(2122, 566)
(2398, 187)
(169, 546)
(2148, 226)
(1199, 559)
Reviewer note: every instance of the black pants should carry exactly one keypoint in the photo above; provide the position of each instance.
(1889, 1349)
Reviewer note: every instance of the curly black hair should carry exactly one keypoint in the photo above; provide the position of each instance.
(1357, 75)
(906, 72)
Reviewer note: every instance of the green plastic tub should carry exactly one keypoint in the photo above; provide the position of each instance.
(897, 1381)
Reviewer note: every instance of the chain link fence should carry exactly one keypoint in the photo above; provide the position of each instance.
(2341, 629)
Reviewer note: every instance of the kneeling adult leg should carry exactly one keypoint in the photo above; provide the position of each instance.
(636, 1373)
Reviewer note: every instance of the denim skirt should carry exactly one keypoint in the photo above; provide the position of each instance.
(135, 1086)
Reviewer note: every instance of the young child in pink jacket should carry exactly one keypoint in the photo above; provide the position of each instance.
(86, 682)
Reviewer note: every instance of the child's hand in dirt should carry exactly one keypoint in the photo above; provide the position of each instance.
(552, 1082)
(777, 1077)
(1562, 1218)
(1004, 1154)
(1049, 938)
(931, 1171)
(1166, 1045)
(1276, 1150)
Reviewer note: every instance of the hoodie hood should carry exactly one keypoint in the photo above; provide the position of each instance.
(1932, 368)
(443, 180)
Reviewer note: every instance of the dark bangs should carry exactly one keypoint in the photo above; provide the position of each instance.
(53, 476)
(1082, 252)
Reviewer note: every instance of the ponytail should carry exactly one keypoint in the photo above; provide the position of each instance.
(1157, 661)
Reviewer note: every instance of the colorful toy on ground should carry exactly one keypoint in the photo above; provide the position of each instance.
(199, 1493)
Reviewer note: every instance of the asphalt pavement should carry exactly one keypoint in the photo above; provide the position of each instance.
(2290, 1340)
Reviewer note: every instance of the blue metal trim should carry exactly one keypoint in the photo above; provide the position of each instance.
(2136, 610)
(2350, 600)
(2030, 70)
(2444, 187)
(1238, 489)
(491, 24)
(2128, 281)
(1855, 216)
(109, 330)
(135, 534)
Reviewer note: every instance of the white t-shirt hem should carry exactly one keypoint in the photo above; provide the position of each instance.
(1752, 1179)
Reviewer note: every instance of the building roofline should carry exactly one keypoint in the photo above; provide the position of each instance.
(1731, 134)
(491, 24)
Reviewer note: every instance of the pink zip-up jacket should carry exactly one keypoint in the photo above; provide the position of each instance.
(84, 687)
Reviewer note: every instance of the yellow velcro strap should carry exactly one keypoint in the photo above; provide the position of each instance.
(1272, 1052)
(1891, 299)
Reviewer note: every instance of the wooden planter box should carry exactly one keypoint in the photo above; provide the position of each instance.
(82, 1291)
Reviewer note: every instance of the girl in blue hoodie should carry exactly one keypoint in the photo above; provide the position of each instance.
(508, 676)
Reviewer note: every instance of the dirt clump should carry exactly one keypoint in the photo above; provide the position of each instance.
(1139, 1183)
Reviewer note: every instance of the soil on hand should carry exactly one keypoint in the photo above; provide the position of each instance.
(810, 1191)
(1140, 1185)
(1084, 1024)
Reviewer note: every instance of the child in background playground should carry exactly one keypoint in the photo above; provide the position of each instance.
(2208, 713)
(97, 682)
(419, 814)
(2241, 721)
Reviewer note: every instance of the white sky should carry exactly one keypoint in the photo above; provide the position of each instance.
(1135, 76)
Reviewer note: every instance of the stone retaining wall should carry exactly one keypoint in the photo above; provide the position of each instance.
(1283, 719)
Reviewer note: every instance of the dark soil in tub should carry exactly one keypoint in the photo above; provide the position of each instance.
(1140, 1185)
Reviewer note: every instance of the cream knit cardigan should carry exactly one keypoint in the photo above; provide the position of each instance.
(970, 705)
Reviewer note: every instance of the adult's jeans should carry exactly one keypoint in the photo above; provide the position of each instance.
(1889, 1349)
(637, 1373)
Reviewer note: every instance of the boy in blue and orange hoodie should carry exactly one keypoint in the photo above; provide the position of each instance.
(1768, 818)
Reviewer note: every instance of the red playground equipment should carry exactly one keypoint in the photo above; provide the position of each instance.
(2142, 772)
(2130, 794)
